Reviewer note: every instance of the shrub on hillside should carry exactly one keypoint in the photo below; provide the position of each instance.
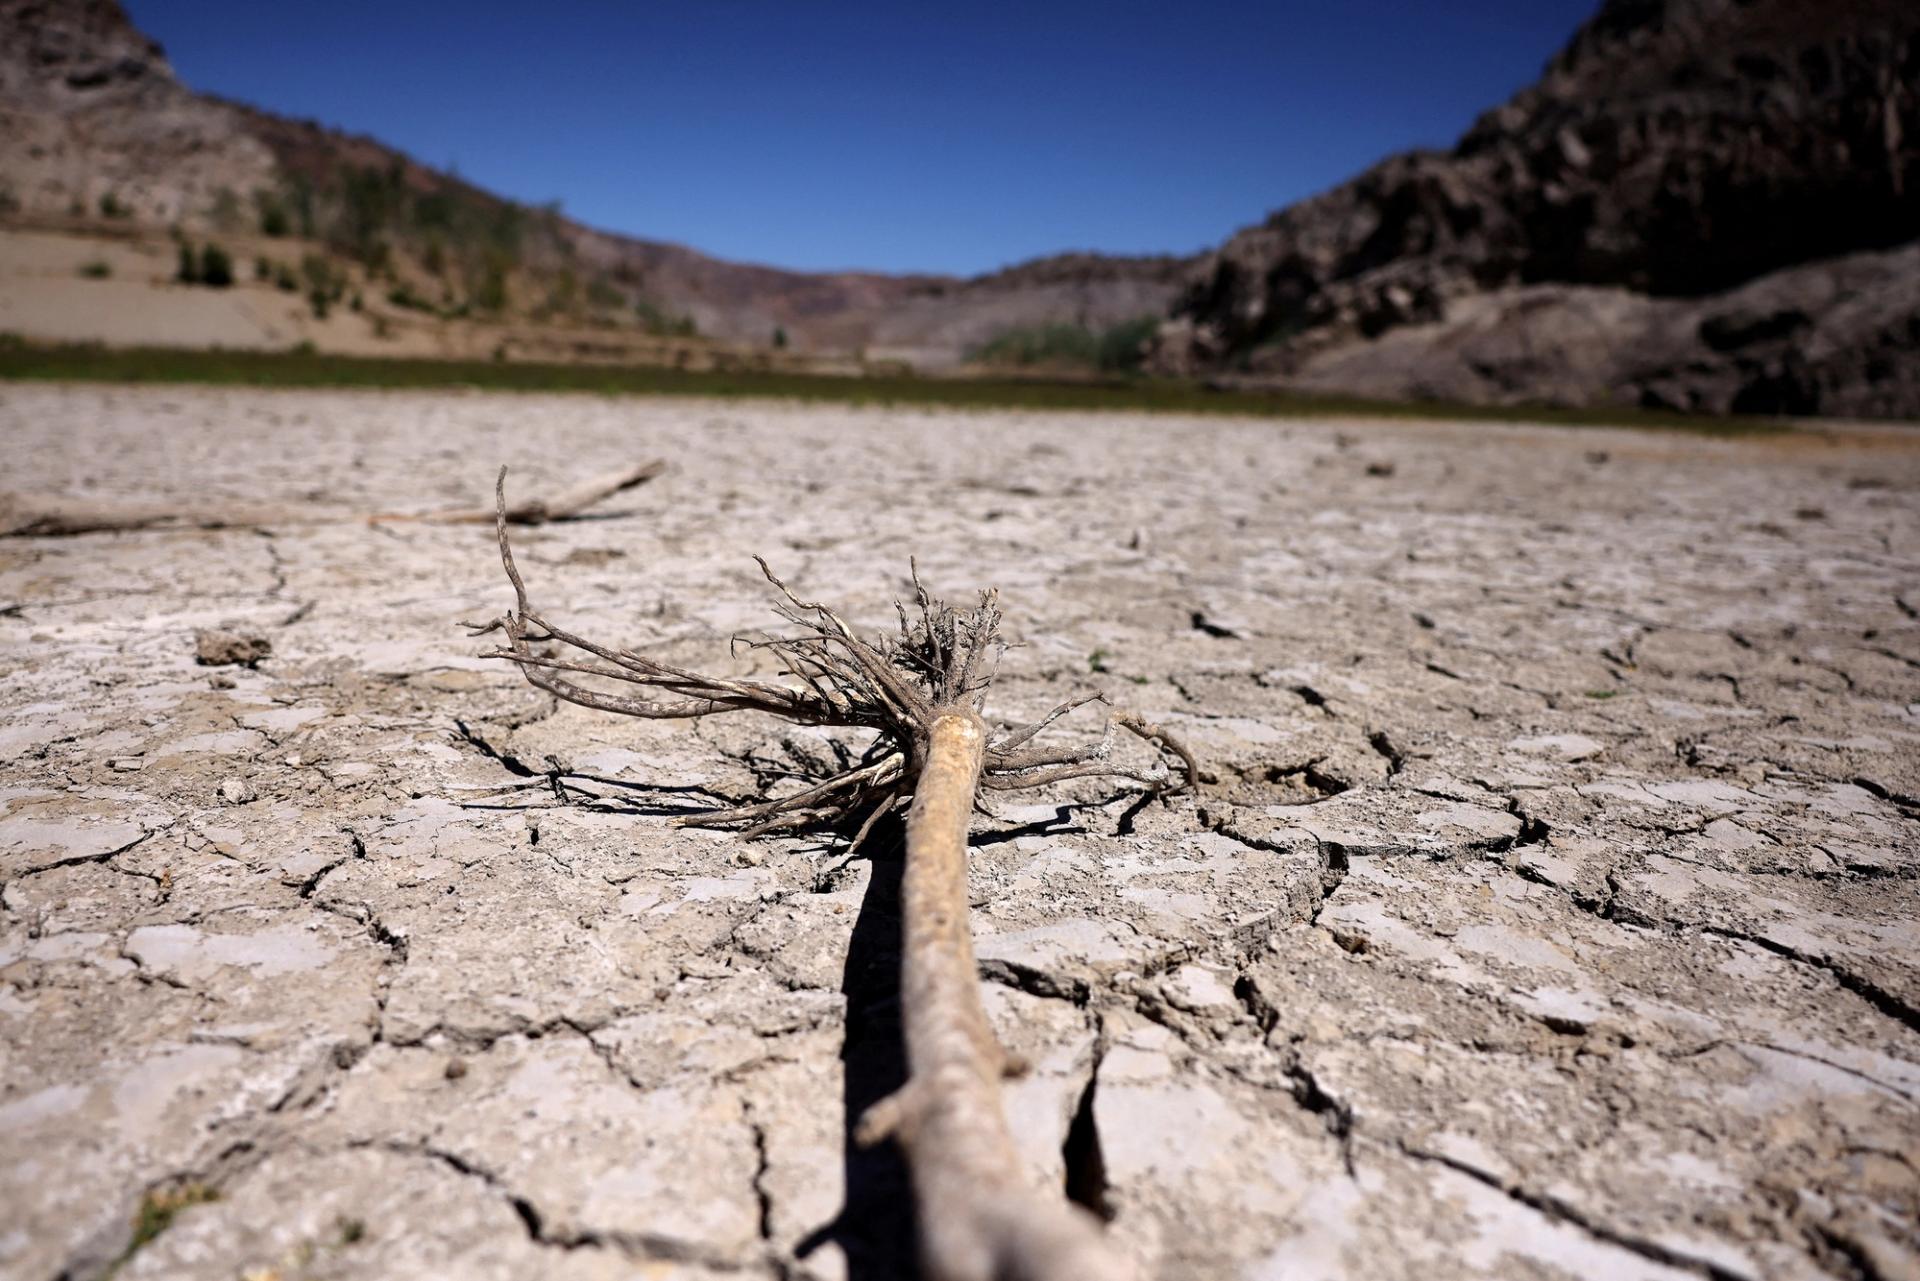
(226, 210)
(601, 293)
(402, 295)
(490, 285)
(1040, 345)
(216, 268)
(326, 283)
(274, 219)
(210, 266)
(1123, 347)
(662, 324)
(1119, 348)
(563, 297)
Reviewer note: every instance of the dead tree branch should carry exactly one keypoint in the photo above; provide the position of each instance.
(919, 692)
(40, 515)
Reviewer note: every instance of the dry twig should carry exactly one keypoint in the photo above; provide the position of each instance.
(919, 692)
(40, 515)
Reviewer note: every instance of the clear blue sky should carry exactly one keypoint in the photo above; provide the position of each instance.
(897, 137)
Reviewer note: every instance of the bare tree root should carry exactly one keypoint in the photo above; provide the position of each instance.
(979, 1217)
(29, 515)
(919, 692)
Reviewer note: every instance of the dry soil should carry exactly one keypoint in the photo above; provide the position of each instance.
(1550, 912)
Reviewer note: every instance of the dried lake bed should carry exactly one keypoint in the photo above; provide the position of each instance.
(1550, 909)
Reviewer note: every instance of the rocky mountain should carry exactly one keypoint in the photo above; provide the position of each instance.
(1703, 204)
(92, 117)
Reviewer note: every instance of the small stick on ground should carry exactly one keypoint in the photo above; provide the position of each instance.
(920, 693)
(568, 504)
(33, 515)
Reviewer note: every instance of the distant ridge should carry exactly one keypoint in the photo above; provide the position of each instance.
(89, 106)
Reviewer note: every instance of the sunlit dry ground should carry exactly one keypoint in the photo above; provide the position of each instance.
(1551, 912)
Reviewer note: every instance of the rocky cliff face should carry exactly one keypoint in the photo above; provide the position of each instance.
(1676, 150)
(90, 109)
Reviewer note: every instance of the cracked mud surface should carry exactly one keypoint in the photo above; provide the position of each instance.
(1550, 912)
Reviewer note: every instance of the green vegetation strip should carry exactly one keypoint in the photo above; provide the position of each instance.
(22, 361)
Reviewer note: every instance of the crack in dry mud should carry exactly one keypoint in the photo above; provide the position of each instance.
(1615, 821)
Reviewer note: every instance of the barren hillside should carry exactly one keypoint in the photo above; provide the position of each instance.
(97, 135)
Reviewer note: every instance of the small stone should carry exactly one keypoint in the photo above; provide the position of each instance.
(126, 764)
(236, 791)
(1321, 1029)
(456, 1068)
(215, 648)
(221, 681)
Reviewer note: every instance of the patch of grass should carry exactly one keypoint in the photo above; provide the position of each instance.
(1603, 693)
(98, 269)
(156, 1214)
(1116, 349)
(83, 362)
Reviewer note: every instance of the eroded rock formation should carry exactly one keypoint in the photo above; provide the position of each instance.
(1700, 205)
